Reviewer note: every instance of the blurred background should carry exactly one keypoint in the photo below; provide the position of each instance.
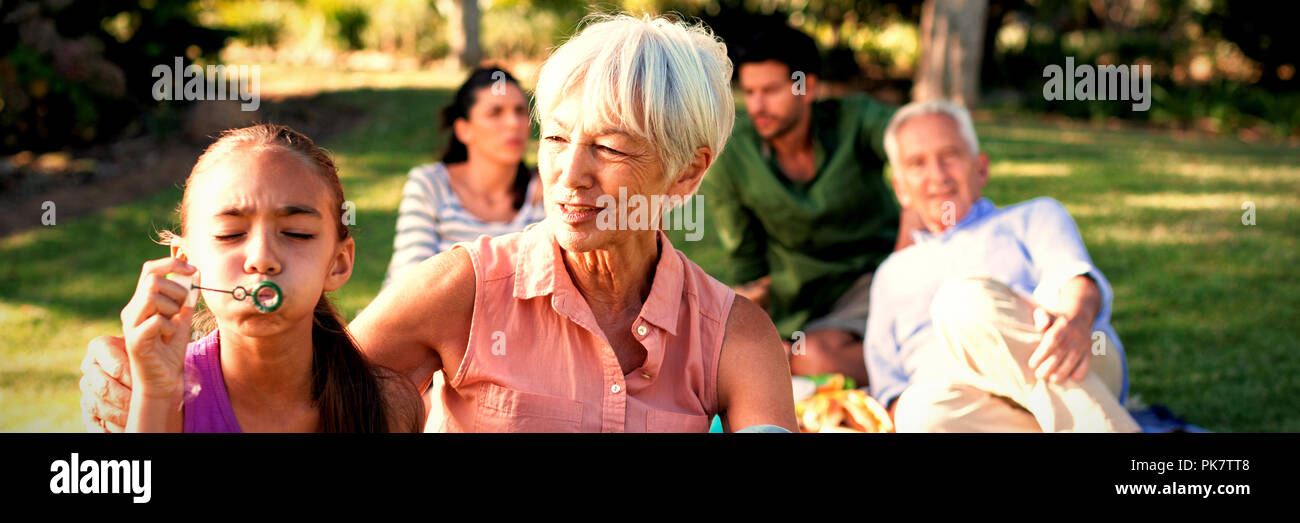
(1206, 305)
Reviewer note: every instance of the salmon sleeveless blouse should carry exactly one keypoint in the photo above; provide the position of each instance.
(537, 361)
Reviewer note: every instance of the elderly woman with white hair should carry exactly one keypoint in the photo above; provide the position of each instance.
(576, 326)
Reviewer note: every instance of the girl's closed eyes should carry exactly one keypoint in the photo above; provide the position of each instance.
(238, 235)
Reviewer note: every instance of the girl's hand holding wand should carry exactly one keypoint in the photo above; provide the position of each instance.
(156, 324)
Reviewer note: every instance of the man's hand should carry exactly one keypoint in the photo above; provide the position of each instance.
(1065, 351)
(105, 385)
(1066, 348)
(756, 291)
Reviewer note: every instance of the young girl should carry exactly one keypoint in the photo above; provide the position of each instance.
(263, 203)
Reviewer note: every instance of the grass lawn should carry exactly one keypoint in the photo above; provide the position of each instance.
(1207, 307)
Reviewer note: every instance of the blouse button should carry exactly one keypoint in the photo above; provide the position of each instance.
(615, 388)
(640, 330)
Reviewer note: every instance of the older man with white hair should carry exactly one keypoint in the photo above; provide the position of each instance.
(995, 320)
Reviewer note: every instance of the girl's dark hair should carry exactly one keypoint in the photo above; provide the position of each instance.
(465, 98)
(345, 387)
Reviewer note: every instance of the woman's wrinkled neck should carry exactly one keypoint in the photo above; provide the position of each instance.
(619, 277)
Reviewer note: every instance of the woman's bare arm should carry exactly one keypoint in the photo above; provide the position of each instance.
(420, 322)
(753, 372)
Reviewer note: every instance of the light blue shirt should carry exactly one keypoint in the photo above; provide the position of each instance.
(1033, 247)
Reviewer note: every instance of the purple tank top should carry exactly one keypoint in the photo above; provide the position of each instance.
(208, 410)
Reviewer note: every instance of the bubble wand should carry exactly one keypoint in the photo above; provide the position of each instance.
(266, 295)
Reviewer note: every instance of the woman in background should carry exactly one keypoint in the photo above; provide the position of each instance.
(481, 186)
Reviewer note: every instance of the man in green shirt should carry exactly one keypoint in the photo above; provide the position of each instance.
(800, 205)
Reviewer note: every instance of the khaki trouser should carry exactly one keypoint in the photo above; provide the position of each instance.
(977, 377)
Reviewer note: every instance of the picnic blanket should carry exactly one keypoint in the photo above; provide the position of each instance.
(832, 403)
(1158, 419)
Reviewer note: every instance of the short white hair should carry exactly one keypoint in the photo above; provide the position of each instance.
(958, 114)
(662, 79)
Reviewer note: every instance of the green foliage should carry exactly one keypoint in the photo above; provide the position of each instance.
(74, 74)
(349, 22)
(1209, 69)
(521, 31)
(412, 27)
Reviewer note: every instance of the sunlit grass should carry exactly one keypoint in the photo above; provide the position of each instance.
(1030, 169)
(295, 80)
(1206, 306)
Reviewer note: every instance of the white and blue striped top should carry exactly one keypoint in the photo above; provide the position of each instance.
(431, 218)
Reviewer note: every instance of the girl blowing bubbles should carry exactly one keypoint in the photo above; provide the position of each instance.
(262, 203)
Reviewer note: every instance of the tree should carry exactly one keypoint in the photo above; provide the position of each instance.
(464, 31)
(952, 40)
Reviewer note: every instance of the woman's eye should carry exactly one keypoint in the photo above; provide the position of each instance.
(555, 139)
(300, 235)
(231, 236)
(609, 150)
